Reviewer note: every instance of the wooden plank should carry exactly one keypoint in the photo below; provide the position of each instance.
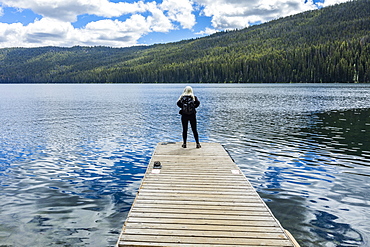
(158, 215)
(196, 188)
(240, 223)
(203, 227)
(199, 240)
(187, 191)
(177, 210)
(199, 198)
(132, 244)
(229, 209)
(202, 179)
(200, 203)
(191, 182)
(202, 199)
(189, 159)
(211, 234)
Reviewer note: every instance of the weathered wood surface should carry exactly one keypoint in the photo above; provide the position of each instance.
(199, 198)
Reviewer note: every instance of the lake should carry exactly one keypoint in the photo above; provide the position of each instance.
(72, 156)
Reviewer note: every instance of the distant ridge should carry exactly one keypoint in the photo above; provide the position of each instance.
(327, 45)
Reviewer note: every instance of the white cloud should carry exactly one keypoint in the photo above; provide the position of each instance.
(207, 31)
(51, 32)
(113, 33)
(42, 32)
(231, 14)
(55, 28)
(158, 22)
(135, 19)
(11, 34)
(56, 25)
(68, 10)
(332, 2)
(180, 11)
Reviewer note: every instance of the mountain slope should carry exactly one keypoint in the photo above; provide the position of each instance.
(327, 45)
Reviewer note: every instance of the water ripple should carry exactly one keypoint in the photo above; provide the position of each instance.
(72, 156)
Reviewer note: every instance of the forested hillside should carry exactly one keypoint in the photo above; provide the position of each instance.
(327, 45)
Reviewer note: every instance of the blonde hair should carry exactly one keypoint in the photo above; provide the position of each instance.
(188, 91)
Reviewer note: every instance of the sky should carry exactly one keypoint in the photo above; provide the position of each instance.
(124, 23)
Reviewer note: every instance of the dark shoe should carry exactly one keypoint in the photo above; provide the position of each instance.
(184, 145)
(157, 165)
(198, 145)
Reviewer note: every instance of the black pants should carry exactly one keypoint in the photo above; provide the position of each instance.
(185, 119)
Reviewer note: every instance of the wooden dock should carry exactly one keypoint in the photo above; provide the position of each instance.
(199, 197)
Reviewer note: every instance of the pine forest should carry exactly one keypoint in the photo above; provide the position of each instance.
(331, 44)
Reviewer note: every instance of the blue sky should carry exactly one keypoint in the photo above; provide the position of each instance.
(122, 23)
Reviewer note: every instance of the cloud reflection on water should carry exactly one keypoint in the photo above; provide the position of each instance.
(72, 156)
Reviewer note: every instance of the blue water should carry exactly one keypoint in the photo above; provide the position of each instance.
(72, 156)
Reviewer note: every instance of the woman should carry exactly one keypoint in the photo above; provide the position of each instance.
(188, 102)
